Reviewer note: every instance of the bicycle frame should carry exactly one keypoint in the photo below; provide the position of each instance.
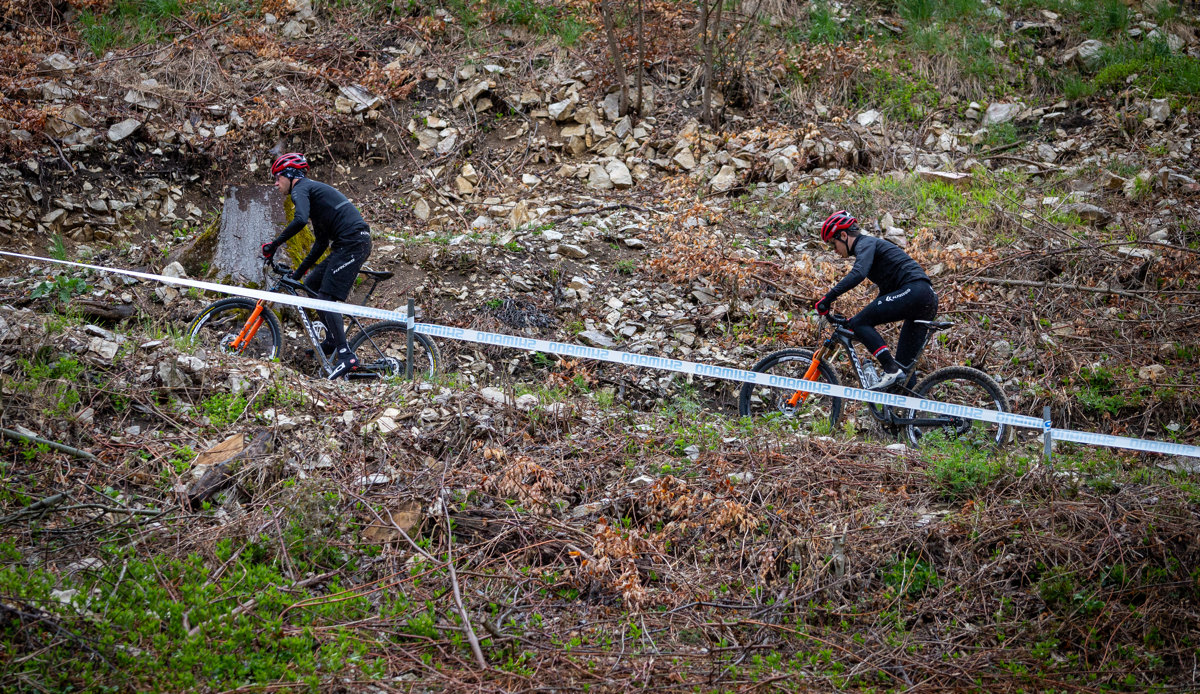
(255, 321)
(842, 339)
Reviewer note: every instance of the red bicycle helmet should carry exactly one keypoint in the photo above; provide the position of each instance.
(838, 221)
(290, 161)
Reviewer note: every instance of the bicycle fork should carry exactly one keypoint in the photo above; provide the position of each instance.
(811, 374)
(250, 329)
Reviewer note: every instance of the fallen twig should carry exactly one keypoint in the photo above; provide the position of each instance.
(53, 444)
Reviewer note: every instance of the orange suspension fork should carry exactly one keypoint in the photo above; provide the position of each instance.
(810, 375)
(250, 329)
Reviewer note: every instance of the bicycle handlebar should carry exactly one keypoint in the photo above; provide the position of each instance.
(279, 268)
(836, 319)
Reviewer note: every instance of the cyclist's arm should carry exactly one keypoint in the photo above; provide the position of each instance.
(864, 257)
(320, 243)
(299, 218)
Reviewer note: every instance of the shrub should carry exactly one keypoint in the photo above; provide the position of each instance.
(959, 468)
(908, 576)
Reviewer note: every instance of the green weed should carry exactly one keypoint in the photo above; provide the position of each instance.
(1159, 71)
(902, 97)
(55, 380)
(223, 409)
(823, 24)
(57, 248)
(1101, 18)
(1075, 87)
(958, 468)
(1100, 393)
(63, 288)
(543, 19)
(908, 576)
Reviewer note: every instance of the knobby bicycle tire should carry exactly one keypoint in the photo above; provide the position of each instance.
(219, 324)
(961, 385)
(385, 345)
(764, 401)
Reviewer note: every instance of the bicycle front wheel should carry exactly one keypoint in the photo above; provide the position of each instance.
(218, 326)
(772, 403)
(959, 385)
(382, 348)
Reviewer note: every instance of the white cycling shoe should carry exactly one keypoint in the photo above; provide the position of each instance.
(888, 379)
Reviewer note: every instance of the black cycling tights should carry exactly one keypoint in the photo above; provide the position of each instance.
(335, 331)
(913, 301)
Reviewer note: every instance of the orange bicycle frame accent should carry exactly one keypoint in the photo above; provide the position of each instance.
(250, 329)
(809, 375)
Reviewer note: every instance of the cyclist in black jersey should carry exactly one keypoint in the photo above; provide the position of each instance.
(905, 293)
(337, 222)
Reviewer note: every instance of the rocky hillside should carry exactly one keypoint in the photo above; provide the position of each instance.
(528, 521)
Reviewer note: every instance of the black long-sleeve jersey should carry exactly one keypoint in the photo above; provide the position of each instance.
(882, 262)
(335, 220)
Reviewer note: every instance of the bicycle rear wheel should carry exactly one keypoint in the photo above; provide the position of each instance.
(382, 349)
(768, 402)
(218, 326)
(959, 385)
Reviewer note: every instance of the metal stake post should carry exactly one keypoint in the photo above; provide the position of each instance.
(1047, 435)
(410, 320)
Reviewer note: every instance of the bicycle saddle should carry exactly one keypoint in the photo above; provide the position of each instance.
(935, 325)
(376, 274)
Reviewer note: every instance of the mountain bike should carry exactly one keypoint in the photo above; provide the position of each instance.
(250, 328)
(958, 385)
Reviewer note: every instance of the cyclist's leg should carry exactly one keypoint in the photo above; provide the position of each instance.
(913, 335)
(887, 308)
(342, 268)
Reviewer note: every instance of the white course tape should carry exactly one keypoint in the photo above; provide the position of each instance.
(304, 301)
(1126, 442)
(660, 363)
(729, 374)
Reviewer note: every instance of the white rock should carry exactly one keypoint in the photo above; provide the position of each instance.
(868, 118)
(954, 178)
(124, 129)
(57, 62)
(561, 110)
(106, 349)
(572, 251)
(527, 402)
(496, 396)
(684, 159)
(1001, 113)
(618, 173)
(293, 30)
(1089, 53)
(421, 209)
(596, 339)
(598, 178)
(725, 179)
(446, 144)
(1152, 372)
(1160, 109)
(530, 179)
(175, 270)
